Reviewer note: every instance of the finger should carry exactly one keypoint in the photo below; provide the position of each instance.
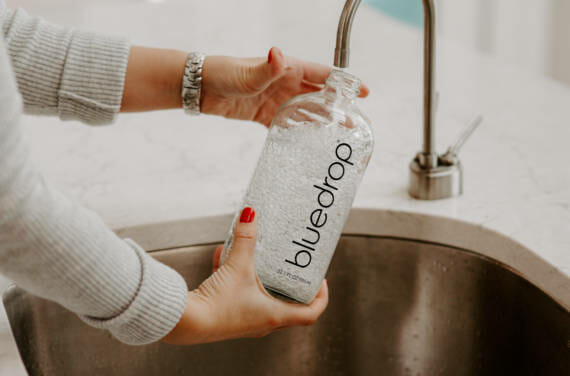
(276, 60)
(245, 238)
(301, 314)
(315, 73)
(260, 76)
(216, 258)
(314, 112)
(364, 91)
(309, 87)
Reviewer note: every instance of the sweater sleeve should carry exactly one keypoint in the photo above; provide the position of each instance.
(56, 249)
(72, 74)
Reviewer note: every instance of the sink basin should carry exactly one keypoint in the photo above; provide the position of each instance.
(410, 295)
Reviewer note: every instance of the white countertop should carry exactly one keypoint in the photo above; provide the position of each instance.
(165, 166)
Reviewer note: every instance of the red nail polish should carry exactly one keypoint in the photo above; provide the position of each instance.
(270, 56)
(247, 215)
(327, 282)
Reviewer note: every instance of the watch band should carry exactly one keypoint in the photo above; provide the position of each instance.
(192, 83)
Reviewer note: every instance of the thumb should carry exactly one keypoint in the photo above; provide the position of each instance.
(264, 74)
(245, 239)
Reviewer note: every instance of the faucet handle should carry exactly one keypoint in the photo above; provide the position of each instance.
(450, 156)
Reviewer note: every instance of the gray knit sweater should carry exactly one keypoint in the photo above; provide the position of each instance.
(49, 244)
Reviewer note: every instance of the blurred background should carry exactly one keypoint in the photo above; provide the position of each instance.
(534, 34)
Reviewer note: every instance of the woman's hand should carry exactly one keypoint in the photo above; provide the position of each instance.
(237, 88)
(232, 303)
(255, 88)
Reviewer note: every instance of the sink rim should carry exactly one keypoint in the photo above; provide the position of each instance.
(445, 231)
(486, 311)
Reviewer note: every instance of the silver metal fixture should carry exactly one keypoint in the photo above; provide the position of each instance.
(446, 178)
(342, 50)
(432, 176)
(450, 156)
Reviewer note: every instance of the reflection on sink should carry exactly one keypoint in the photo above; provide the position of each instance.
(398, 307)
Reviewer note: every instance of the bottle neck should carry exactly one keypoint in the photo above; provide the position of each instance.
(342, 85)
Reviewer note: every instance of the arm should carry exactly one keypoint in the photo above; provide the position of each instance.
(71, 74)
(238, 88)
(153, 80)
(90, 77)
(58, 250)
(81, 76)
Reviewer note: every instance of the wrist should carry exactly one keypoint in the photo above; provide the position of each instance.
(195, 325)
(153, 80)
(171, 81)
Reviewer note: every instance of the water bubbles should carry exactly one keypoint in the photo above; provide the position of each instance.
(294, 178)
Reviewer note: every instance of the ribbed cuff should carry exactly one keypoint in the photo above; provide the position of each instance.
(91, 88)
(37, 50)
(76, 75)
(155, 310)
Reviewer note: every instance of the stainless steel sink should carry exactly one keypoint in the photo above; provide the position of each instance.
(410, 295)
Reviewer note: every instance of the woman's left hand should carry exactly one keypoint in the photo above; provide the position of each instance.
(232, 302)
(255, 88)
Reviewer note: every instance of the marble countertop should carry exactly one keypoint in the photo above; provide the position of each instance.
(164, 166)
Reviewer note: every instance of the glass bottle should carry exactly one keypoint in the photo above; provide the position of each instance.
(315, 155)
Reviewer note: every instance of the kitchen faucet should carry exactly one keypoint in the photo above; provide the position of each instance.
(432, 176)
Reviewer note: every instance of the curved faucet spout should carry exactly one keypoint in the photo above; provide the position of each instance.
(342, 50)
(428, 157)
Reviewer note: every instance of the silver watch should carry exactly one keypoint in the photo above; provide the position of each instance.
(192, 83)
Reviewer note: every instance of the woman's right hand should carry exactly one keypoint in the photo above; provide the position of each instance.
(255, 88)
(232, 302)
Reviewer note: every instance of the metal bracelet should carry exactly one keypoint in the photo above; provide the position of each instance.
(192, 83)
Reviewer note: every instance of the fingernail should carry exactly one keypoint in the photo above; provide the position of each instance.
(327, 282)
(270, 56)
(247, 215)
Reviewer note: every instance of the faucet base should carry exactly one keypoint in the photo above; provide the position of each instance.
(444, 181)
